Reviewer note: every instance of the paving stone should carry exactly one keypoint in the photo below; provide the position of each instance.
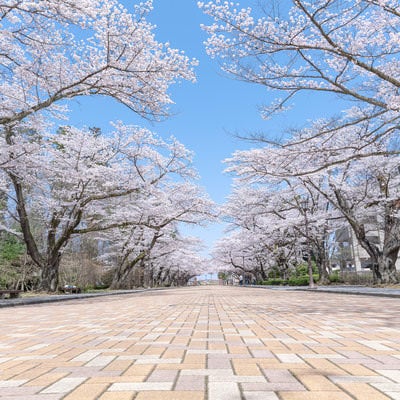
(162, 376)
(362, 391)
(317, 395)
(276, 375)
(64, 385)
(11, 383)
(317, 383)
(260, 396)
(273, 386)
(393, 374)
(87, 392)
(188, 382)
(225, 391)
(176, 395)
(139, 386)
(46, 379)
(387, 387)
(117, 396)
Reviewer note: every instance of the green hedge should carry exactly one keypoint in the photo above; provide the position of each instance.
(274, 281)
(302, 280)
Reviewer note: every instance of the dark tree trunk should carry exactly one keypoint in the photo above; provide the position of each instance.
(49, 276)
(386, 268)
(123, 272)
(384, 261)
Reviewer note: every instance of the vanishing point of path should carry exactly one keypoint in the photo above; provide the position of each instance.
(205, 343)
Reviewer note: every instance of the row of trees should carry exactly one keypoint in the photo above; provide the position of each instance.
(340, 169)
(127, 188)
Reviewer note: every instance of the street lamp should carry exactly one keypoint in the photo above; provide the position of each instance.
(311, 284)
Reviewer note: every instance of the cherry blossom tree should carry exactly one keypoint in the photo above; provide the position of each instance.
(344, 48)
(156, 219)
(53, 51)
(176, 260)
(71, 185)
(348, 50)
(363, 188)
(255, 242)
(279, 223)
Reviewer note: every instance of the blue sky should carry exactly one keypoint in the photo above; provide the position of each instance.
(206, 113)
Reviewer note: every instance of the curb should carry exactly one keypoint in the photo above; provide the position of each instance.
(364, 291)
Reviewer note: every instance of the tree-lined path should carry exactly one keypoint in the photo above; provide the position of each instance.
(210, 343)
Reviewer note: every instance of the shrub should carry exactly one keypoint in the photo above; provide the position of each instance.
(275, 281)
(335, 277)
(302, 270)
(302, 280)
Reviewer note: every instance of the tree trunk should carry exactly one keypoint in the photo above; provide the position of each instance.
(386, 268)
(49, 275)
(323, 275)
(120, 278)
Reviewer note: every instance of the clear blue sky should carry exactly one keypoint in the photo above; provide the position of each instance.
(207, 113)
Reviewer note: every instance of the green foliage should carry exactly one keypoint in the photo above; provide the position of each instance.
(274, 281)
(274, 272)
(222, 275)
(335, 277)
(10, 248)
(302, 269)
(302, 280)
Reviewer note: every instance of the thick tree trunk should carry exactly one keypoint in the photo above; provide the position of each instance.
(385, 272)
(49, 275)
(323, 275)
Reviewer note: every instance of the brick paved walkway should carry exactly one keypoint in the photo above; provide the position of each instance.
(211, 343)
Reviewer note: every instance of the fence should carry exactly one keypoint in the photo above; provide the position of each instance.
(359, 277)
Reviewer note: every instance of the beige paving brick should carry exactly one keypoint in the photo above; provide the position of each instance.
(326, 366)
(118, 365)
(362, 391)
(238, 349)
(114, 379)
(195, 359)
(47, 379)
(248, 369)
(32, 373)
(171, 353)
(317, 395)
(87, 392)
(175, 395)
(117, 396)
(317, 383)
(139, 370)
(357, 369)
(183, 366)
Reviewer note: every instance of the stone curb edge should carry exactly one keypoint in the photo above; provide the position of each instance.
(361, 292)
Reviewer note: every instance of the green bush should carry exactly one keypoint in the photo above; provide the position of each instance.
(302, 280)
(302, 270)
(335, 277)
(274, 281)
(10, 248)
(274, 273)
